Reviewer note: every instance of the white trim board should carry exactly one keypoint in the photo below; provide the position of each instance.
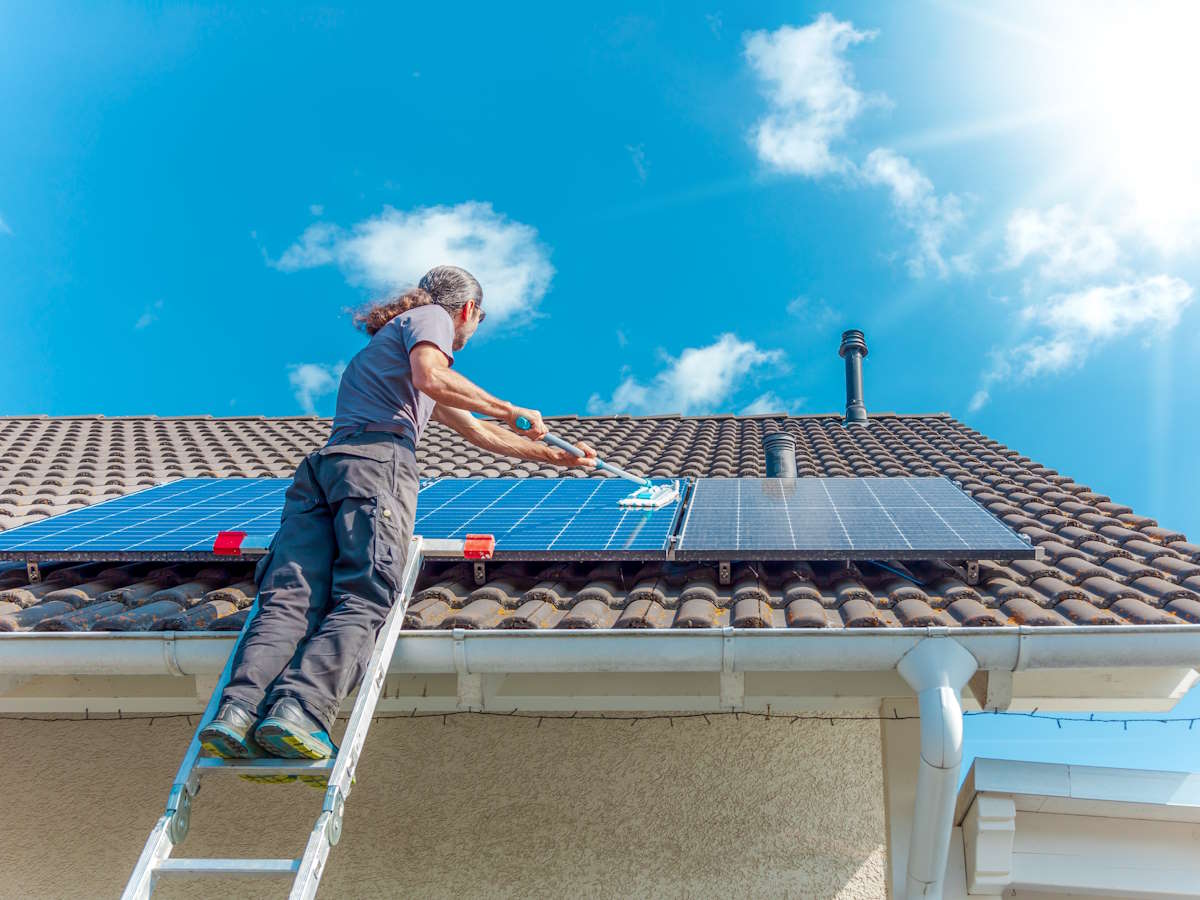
(1084, 830)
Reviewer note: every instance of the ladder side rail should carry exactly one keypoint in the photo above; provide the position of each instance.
(172, 826)
(327, 830)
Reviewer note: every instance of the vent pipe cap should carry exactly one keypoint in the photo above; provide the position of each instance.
(779, 451)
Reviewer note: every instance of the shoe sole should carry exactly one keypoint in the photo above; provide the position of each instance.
(225, 743)
(279, 739)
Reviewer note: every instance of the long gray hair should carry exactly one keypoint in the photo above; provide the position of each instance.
(447, 286)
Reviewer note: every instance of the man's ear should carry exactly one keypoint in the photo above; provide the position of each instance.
(464, 311)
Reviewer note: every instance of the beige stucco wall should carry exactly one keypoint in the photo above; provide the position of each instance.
(479, 806)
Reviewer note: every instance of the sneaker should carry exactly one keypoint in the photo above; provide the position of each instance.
(288, 731)
(227, 736)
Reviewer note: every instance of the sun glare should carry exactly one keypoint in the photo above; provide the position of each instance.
(1126, 81)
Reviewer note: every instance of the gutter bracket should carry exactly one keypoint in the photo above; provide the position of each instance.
(992, 689)
(733, 684)
(469, 685)
(171, 658)
(937, 668)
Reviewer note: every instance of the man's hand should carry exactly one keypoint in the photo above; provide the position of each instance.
(558, 457)
(537, 428)
(495, 438)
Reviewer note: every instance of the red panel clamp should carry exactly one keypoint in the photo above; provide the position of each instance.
(479, 546)
(229, 543)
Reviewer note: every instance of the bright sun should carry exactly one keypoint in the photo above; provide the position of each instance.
(1121, 85)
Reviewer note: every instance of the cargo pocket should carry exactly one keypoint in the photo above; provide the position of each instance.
(356, 470)
(387, 554)
(380, 451)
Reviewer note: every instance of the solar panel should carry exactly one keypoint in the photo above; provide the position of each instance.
(180, 519)
(535, 518)
(546, 518)
(841, 518)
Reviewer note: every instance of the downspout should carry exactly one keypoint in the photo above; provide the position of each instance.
(937, 669)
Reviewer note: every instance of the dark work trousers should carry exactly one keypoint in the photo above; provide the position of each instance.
(330, 577)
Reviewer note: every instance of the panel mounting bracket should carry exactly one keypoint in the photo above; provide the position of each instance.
(969, 571)
(479, 569)
(723, 572)
(32, 571)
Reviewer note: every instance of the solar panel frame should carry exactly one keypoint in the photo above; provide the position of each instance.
(842, 518)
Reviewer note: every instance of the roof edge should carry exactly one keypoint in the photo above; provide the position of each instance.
(1006, 648)
(208, 417)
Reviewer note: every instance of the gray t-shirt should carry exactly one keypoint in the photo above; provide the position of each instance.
(377, 386)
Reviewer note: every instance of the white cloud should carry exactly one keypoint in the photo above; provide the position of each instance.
(316, 209)
(1066, 245)
(4, 229)
(312, 380)
(929, 217)
(395, 248)
(1069, 327)
(149, 316)
(638, 155)
(815, 314)
(770, 402)
(979, 400)
(809, 86)
(698, 380)
(714, 23)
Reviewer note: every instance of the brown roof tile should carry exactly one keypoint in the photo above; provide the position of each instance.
(1102, 564)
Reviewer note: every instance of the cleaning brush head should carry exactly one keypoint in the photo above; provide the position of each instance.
(652, 496)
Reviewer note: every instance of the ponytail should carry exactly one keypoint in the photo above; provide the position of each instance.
(374, 316)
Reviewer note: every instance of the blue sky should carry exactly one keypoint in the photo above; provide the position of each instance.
(672, 207)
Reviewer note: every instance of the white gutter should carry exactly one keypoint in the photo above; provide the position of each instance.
(937, 669)
(936, 662)
(1010, 649)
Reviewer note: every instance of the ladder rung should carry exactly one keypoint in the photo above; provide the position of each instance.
(228, 867)
(206, 765)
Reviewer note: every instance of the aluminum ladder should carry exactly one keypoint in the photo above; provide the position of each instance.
(172, 827)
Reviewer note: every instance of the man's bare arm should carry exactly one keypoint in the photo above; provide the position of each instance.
(433, 377)
(491, 437)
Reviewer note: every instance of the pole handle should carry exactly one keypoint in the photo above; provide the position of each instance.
(524, 424)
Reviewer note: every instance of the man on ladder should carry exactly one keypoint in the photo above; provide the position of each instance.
(334, 569)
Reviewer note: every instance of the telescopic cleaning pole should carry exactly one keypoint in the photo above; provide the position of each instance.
(648, 494)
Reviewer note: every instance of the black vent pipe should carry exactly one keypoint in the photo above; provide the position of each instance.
(853, 350)
(779, 450)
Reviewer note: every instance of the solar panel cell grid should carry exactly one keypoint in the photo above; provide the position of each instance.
(841, 518)
(530, 518)
(545, 516)
(179, 517)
